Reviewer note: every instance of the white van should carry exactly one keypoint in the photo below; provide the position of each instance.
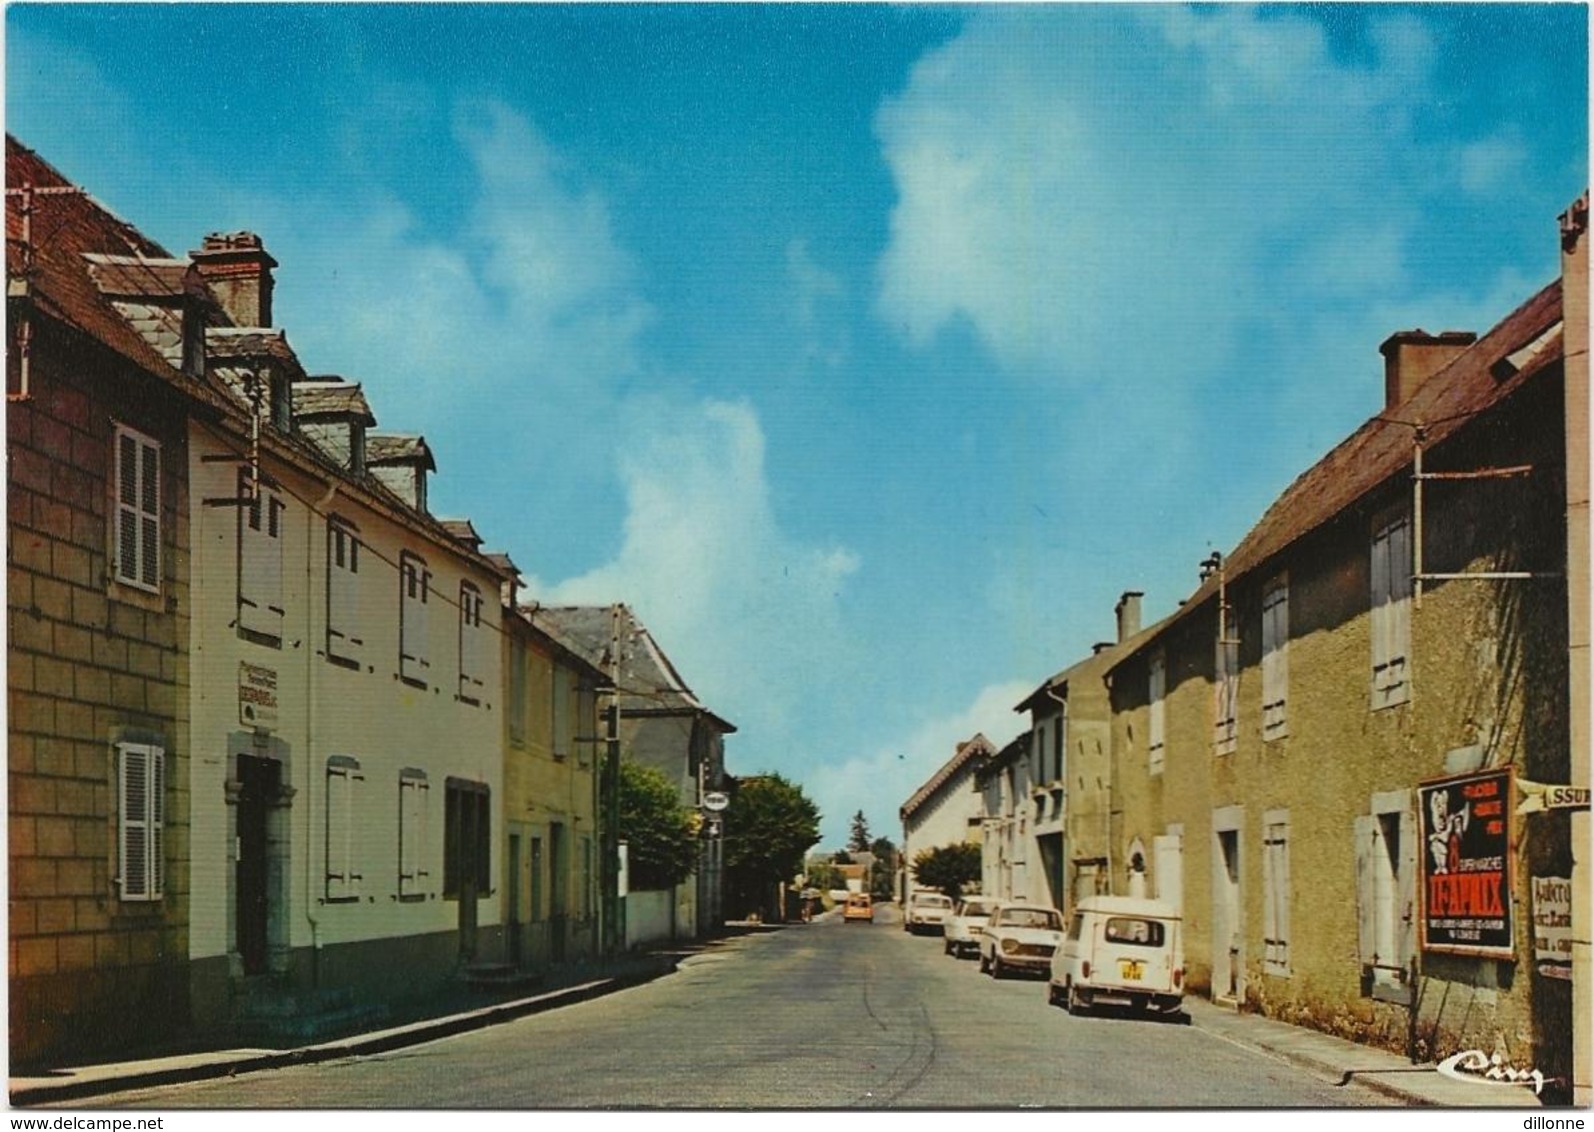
(1120, 950)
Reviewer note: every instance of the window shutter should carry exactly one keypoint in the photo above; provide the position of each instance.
(260, 565)
(343, 573)
(1379, 599)
(1270, 934)
(1406, 891)
(141, 782)
(1366, 836)
(157, 823)
(1281, 910)
(137, 519)
(1155, 725)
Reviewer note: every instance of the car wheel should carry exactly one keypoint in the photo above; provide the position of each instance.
(1052, 998)
(997, 970)
(1076, 1004)
(946, 948)
(985, 964)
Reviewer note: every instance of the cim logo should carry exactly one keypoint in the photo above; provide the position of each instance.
(1483, 1069)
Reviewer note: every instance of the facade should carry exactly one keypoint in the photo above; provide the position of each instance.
(662, 724)
(1006, 844)
(1071, 802)
(552, 760)
(98, 606)
(1324, 746)
(949, 808)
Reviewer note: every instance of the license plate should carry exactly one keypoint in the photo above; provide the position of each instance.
(1132, 969)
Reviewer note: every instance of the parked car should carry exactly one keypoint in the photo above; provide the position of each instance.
(963, 927)
(1020, 937)
(1121, 950)
(926, 912)
(859, 907)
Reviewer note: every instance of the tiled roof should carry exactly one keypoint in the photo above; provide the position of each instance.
(461, 531)
(133, 276)
(648, 681)
(67, 225)
(1101, 661)
(504, 563)
(1524, 345)
(331, 397)
(969, 755)
(396, 448)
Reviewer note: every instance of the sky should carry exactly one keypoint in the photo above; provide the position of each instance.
(869, 353)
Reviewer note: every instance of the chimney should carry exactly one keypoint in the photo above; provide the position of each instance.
(237, 268)
(1411, 357)
(1128, 610)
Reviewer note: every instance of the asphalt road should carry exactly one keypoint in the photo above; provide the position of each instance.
(824, 1015)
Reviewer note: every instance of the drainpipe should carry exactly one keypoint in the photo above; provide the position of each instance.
(310, 684)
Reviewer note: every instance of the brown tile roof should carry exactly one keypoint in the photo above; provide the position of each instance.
(1382, 448)
(974, 751)
(129, 276)
(461, 530)
(395, 448)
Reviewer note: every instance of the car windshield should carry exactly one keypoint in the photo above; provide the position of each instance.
(935, 901)
(974, 908)
(1027, 918)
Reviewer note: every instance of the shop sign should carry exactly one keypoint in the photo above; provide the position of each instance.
(1552, 925)
(1466, 864)
(257, 695)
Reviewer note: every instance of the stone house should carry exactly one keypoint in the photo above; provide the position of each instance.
(1006, 844)
(552, 764)
(948, 809)
(1394, 628)
(1072, 808)
(98, 608)
(662, 724)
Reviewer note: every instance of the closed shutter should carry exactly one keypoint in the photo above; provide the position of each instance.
(1365, 834)
(137, 552)
(414, 584)
(260, 532)
(1406, 891)
(344, 639)
(343, 877)
(141, 819)
(413, 793)
(1156, 681)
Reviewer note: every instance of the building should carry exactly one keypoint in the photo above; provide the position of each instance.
(1326, 745)
(1007, 844)
(662, 724)
(948, 808)
(1072, 807)
(98, 608)
(552, 762)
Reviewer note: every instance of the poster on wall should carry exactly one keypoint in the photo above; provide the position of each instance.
(1466, 864)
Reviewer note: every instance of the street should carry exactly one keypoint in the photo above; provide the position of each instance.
(827, 1015)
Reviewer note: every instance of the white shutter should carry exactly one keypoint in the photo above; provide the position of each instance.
(1366, 837)
(1168, 853)
(1399, 643)
(344, 639)
(1269, 898)
(412, 615)
(336, 827)
(1155, 727)
(1406, 892)
(260, 565)
(413, 792)
(1379, 598)
(141, 783)
(137, 533)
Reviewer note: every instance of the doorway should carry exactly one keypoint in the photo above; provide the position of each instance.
(260, 781)
(1228, 958)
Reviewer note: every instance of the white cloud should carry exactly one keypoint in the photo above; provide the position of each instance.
(1491, 164)
(748, 614)
(880, 780)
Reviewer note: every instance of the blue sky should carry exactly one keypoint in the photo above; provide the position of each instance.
(868, 352)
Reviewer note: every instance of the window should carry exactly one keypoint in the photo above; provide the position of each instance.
(1276, 892)
(414, 587)
(1275, 658)
(561, 712)
(1157, 681)
(467, 839)
(1386, 892)
(343, 877)
(1391, 612)
(260, 525)
(345, 641)
(137, 551)
(1226, 685)
(141, 821)
(1058, 731)
(518, 677)
(413, 875)
(472, 645)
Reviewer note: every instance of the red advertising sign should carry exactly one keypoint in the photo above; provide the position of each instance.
(1466, 864)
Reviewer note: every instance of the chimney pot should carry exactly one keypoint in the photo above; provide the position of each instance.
(1411, 357)
(1128, 611)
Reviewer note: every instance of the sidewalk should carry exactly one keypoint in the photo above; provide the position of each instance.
(1346, 1062)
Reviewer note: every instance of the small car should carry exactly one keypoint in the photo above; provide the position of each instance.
(964, 925)
(1123, 951)
(926, 912)
(1020, 937)
(859, 906)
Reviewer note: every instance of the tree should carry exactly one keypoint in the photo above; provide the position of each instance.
(859, 841)
(659, 830)
(769, 826)
(948, 867)
(841, 857)
(825, 876)
(883, 876)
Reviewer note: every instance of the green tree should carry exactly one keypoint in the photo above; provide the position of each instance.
(769, 826)
(883, 876)
(859, 841)
(841, 857)
(825, 876)
(948, 867)
(659, 830)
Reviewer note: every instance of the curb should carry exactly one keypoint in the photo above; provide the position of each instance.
(362, 1045)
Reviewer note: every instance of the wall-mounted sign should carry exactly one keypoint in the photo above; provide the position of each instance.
(1552, 925)
(257, 695)
(1540, 796)
(1466, 863)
